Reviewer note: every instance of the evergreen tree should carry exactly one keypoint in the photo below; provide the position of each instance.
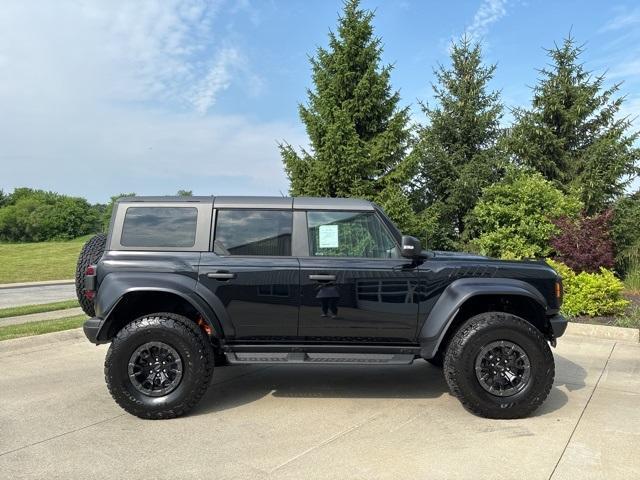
(458, 152)
(573, 133)
(358, 134)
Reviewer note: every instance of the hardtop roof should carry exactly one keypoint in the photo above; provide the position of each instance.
(297, 203)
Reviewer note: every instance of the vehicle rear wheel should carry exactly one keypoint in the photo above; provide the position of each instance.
(89, 255)
(499, 366)
(159, 366)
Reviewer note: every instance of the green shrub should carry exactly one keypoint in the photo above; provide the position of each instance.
(35, 216)
(592, 294)
(514, 218)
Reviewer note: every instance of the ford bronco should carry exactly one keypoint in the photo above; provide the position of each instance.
(182, 284)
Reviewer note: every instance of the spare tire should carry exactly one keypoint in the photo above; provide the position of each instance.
(89, 255)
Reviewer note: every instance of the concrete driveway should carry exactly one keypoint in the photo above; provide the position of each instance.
(327, 422)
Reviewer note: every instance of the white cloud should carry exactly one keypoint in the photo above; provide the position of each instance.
(104, 97)
(217, 79)
(619, 52)
(624, 20)
(488, 13)
(625, 69)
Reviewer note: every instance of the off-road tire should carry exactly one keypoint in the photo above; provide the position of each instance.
(89, 255)
(466, 344)
(191, 344)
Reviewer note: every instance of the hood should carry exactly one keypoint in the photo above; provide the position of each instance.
(459, 255)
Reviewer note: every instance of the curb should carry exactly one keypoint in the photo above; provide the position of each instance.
(603, 331)
(43, 283)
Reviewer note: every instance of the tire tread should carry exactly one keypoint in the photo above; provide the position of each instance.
(190, 331)
(90, 254)
(453, 373)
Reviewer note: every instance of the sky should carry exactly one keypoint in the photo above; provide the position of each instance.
(152, 96)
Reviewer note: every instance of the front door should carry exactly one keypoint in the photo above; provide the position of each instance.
(252, 272)
(354, 284)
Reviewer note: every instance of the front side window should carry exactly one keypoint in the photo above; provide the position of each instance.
(349, 234)
(173, 227)
(253, 232)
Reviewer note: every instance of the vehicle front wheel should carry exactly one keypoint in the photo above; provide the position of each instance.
(159, 366)
(499, 366)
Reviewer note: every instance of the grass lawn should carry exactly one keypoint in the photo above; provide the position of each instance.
(31, 262)
(44, 307)
(38, 328)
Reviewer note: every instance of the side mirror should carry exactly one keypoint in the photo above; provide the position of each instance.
(410, 247)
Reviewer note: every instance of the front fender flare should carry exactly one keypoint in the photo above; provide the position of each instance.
(456, 294)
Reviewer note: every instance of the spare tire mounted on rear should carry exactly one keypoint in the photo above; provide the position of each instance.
(89, 255)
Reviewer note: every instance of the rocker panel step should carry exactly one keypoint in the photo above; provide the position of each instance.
(321, 358)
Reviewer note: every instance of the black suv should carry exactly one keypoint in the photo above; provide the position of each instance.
(182, 284)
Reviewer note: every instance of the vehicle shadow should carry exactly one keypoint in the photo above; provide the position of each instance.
(235, 386)
(569, 375)
(230, 389)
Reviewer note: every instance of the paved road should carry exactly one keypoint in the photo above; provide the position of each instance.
(39, 317)
(13, 297)
(316, 422)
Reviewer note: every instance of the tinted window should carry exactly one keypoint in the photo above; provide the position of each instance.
(159, 227)
(349, 234)
(253, 232)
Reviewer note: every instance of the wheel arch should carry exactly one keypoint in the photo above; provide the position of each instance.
(122, 298)
(467, 297)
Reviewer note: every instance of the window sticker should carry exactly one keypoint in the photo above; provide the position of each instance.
(328, 236)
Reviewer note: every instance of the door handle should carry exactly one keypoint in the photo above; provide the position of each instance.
(322, 277)
(221, 275)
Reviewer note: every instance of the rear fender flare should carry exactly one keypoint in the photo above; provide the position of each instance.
(115, 286)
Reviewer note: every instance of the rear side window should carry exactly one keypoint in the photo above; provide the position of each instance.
(253, 232)
(159, 227)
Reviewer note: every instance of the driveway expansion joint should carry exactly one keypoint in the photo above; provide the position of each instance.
(327, 441)
(575, 427)
(60, 435)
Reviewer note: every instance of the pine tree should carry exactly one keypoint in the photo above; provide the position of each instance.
(358, 134)
(458, 152)
(573, 133)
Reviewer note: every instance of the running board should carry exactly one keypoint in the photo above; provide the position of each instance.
(321, 358)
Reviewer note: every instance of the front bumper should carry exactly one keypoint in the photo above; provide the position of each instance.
(92, 328)
(558, 325)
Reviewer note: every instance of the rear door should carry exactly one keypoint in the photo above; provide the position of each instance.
(354, 283)
(252, 272)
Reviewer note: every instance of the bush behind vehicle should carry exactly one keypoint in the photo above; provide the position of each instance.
(36, 215)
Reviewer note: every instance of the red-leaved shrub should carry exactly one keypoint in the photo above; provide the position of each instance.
(584, 244)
